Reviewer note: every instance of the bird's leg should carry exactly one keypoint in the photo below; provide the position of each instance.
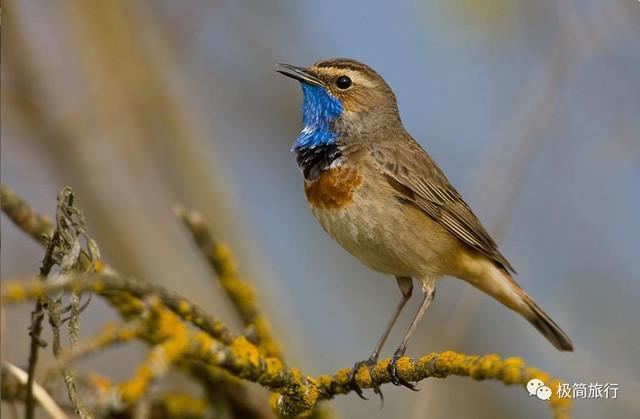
(428, 292)
(406, 287)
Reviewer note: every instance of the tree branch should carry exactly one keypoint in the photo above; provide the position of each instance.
(35, 225)
(297, 393)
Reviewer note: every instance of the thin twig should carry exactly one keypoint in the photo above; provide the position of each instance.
(109, 336)
(37, 226)
(37, 316)
(39, 393)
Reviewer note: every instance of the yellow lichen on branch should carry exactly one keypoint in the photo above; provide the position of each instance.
(110, 335)
(180, 405)
(297, 393)
(173, 337)
(240, 292)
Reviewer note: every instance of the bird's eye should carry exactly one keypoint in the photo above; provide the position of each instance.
(343, 82)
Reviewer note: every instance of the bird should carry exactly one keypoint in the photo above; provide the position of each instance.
(377, 192)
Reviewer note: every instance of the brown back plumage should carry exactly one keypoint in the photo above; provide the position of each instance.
(420, 182)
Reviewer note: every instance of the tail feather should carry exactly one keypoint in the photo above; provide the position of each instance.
(496, 281)
(549, 329)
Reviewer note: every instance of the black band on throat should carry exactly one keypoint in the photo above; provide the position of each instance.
(315, 160)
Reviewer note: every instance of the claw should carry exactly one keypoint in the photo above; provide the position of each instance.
(376, 390)
(393, 371)
(352, 378)
(370, 363)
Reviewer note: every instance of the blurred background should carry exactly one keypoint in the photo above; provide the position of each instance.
(531, 108)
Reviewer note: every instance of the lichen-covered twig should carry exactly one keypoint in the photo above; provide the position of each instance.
(63, 249)
(112, 284)
(115, 288)
(171, 333)
(37, 315)
(229, 393)
(511, 371)
(110, 335)
(178, 405)
(297, 393)
(240, 292)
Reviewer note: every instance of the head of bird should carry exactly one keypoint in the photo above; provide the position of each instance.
(344, 101)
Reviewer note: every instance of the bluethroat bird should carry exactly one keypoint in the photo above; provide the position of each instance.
(376, 191)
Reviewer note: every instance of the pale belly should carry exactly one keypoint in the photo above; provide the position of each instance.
(389, 236)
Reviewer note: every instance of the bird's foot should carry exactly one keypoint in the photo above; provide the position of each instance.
(370, 363)
(393, 371)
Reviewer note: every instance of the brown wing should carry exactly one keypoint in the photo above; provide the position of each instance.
(419, 181)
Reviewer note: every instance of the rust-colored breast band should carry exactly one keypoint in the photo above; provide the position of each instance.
(334, 188)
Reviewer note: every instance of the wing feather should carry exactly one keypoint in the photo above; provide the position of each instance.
(421, 183)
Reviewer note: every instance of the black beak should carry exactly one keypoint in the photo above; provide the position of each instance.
(298, 73)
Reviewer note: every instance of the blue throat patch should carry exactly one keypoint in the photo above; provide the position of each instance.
(319, 109)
